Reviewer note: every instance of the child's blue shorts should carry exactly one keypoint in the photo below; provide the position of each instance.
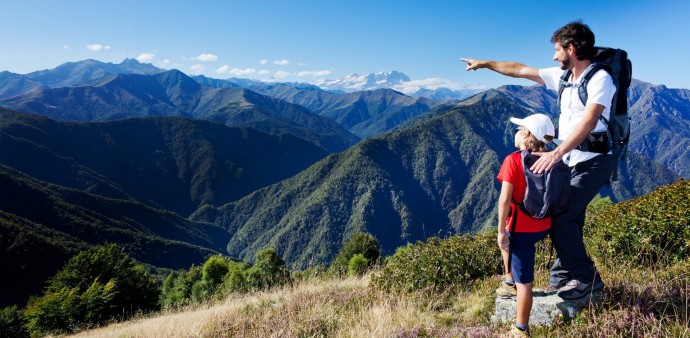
(522, 254)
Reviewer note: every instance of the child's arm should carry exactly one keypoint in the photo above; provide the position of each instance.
(503, 211)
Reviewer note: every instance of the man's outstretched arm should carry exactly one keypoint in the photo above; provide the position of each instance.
(512, 69)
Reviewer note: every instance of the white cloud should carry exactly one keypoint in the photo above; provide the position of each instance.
(164, 64)
(223, 69)
(242, 72)
(263, 62)
(65, 46)
(281, 62)
(206, 58)
(96, 47)
(197, 69)
(319, 73)
(145, 57)
(281, 74)
(263, 72)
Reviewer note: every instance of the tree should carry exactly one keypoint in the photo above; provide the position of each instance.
(360, 243)
(95, 286)
(269, 270)
(12, 323)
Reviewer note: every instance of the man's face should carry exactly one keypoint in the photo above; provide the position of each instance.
(561, 56)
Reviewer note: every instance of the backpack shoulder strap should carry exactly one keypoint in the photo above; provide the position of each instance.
(561, 85)
(589, 72)
(582, 89)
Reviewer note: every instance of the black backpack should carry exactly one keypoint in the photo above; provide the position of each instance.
(547, 193)
(616, 63)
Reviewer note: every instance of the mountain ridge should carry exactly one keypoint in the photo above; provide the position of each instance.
(174, 93)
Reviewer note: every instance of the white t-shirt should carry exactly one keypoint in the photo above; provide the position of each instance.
(600, 89)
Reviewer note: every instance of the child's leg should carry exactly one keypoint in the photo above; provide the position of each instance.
(524, 303)
(523, 268)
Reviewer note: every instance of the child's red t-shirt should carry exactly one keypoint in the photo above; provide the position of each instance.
(512, 172)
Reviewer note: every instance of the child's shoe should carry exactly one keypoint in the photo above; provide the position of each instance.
(506, 290)
(516, 332)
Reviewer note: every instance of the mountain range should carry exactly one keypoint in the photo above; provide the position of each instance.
(172, 93)
(176, 168)
(398, 81)
(172, 163)
(69, 74)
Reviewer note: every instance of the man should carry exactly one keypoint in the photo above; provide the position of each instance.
(573, 273)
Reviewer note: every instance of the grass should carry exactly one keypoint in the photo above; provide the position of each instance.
(636, 303)
(332, 307)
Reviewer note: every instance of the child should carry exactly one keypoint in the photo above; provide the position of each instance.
(533, 133)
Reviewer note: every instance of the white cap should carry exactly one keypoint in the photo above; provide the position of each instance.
(539, 125)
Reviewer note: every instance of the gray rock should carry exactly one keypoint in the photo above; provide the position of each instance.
(546, 307)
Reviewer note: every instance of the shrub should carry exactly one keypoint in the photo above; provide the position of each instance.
(358, 265)
(215, 268)
(269, 270)
(440, 264)
(650, 230)
(180, 293)
(360, 243)
(97, 285)
(12, 323)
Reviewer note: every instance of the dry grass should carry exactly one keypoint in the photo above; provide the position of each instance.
(351, 308)
(339, 308)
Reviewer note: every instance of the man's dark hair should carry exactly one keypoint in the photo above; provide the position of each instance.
(579, 35)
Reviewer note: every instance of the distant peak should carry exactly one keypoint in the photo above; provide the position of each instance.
(130, 61)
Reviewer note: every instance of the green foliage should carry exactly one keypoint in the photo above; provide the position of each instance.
(358, 265)
(12, 323)
(97, 285)
(361, 243)
(650, 230)
(440, 264)
(269, 270)
(215, 268)
(178, 292)
(220, 276)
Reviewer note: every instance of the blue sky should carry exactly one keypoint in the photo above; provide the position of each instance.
(308, 40)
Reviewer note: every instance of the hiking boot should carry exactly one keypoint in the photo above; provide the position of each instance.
(576, 289)
(547, 291)
(506, 290)
(553, 289)
(515, 332)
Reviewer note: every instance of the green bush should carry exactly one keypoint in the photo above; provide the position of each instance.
(95, 286)
(215, 268)
(269, 270)
(650, 230)
(440, 264)
(12, 323)
(360, 243)
(177, 291)
(358, 265)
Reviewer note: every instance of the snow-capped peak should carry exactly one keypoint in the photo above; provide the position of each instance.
(356, 82)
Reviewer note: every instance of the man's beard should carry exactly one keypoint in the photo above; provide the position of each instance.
(565, 65)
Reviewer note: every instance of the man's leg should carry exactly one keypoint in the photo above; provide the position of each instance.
(572, 261)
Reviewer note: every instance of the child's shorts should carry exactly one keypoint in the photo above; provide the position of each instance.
(522, 254)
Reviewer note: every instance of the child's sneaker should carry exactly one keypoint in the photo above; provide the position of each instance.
(515, 332)
(506, 290)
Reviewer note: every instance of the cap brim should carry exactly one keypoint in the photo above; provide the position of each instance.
(519, 122)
